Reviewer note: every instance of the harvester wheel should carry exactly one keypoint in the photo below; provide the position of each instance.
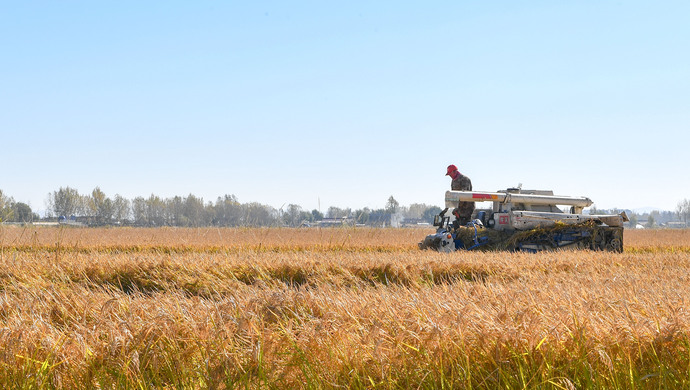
(615, 245)
(598, 243)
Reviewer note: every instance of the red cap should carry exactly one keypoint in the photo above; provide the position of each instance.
(451, 168)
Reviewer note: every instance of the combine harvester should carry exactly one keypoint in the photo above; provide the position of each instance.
(525, 220)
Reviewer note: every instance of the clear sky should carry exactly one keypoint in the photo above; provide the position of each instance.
(345, 103)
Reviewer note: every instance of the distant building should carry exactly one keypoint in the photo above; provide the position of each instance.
(415, 222)
(676, 225)
(331, 222)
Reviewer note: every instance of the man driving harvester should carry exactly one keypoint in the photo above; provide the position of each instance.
(463, 213)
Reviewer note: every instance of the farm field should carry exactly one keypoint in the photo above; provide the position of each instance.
(336, 308)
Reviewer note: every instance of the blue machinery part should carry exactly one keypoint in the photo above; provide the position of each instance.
(477, 241)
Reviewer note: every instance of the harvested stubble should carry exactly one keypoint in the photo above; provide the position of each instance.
(340, 315)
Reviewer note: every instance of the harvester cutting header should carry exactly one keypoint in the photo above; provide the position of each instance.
(526, 220)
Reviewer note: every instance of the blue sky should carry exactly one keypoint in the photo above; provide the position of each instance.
(346, 103)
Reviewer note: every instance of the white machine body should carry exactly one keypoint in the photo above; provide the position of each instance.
(517, 209)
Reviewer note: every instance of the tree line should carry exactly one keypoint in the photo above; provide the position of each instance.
(11, 211)
(97, 209)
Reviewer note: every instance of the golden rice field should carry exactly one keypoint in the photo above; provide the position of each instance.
(336, 308)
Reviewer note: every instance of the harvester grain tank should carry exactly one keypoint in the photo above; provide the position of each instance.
(526, 220)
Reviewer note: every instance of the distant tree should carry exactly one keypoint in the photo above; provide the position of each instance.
(22, 213)
(155, 211)
(84, 205)
(227, 211)
(6, 207)
(100, 206)
(139, 211)
(174, 212)
(392, 205)
(256, 214)
(293, 215)
(651, 222)
(430, 212)
(362, 216)
(316, 215)
(121, 208)
(416, 210)
(305, 217)
(337, 212)
(666, 216)
(65, 202)
(683, 210)
(194, 211)
(5, 200)
(379, 217)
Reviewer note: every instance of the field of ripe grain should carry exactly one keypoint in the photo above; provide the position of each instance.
(327, 308)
